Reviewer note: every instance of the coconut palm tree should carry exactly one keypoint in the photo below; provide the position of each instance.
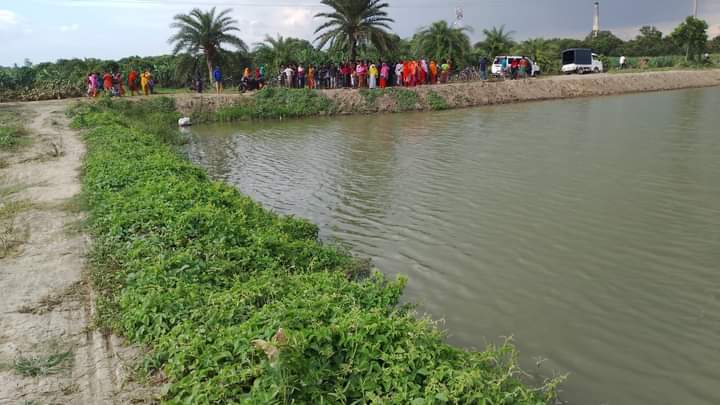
(279, 51)
(205, 32)
(543, 52)
(497, 41)
(352, 23)
(440, 41)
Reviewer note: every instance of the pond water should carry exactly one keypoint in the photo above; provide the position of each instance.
(588, 229)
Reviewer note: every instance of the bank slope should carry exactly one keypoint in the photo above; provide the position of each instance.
(241, 305)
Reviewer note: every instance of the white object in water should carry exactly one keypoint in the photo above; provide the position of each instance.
(184, 122)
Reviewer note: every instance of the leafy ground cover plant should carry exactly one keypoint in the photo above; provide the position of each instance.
(275, 103)
(241, 305)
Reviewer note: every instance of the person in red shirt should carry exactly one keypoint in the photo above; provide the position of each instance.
(107, 82)
(514, 66)
(132, 82)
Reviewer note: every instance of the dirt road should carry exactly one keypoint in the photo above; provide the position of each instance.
(49, 351)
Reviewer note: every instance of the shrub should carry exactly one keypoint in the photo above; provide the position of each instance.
(436, 102)
(274, 103)
(239, 304)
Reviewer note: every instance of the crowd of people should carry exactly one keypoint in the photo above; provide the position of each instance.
(113, 83)
(364, 74)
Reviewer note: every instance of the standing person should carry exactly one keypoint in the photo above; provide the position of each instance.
(384, 75)
(198, 82)
(483, 68)
(118, 80)
(107, 82)
(145, 82)
(433, 72)
(445, 72)
(406, 73)
(399, 74)
(514, 66)
(424, 76)
(301, 77)
(623, 62)
(217, 76)
(311, 77)
(288, 72)
(132, 82)
(372, 76)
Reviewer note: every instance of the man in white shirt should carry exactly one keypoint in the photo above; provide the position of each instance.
(398, 74)
(623, 62)
(289, 73)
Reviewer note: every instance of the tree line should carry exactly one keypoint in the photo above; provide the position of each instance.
(351, 30)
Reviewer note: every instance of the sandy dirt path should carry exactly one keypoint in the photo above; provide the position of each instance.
(49, 352)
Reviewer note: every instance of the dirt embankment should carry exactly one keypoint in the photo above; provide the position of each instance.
(458, 95)
(49, 351)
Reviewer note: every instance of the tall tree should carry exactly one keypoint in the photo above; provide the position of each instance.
(714, 45)
(205, 32)
(281, 51)
(497, 41)
(544, 52)
(352, 23)
(691, 34)
(605, 43)
(440, 41)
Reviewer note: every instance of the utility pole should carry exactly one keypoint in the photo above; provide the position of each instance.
(695, 9)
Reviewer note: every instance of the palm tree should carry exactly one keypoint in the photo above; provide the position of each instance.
(440, 41)
(543, 52)
(497, 41)
(354, 22)
(279, 51)
(206, 33)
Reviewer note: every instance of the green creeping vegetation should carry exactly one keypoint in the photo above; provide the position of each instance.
(278, 103)
(436, 102)
(407, 100)
(241, 305)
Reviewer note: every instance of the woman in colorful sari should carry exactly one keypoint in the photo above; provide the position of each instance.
(372, 76)
(132, 82)
(145, 82)
(423, 71)
(384, 75)
(311, 77)
(433, 72)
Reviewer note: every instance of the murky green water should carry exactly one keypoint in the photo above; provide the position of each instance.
(588, 229)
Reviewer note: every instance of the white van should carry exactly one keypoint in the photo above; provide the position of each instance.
(580, 61)
(499, 60)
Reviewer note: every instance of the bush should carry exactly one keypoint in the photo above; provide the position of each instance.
(436, 102)
(239, 304)
(275, 103)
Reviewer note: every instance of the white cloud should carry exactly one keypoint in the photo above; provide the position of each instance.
(69, 28)
(7, 18)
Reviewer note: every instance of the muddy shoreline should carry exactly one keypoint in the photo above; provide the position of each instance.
(471, 94)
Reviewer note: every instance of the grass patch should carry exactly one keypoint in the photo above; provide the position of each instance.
(278, 103)
(12, 235)
(52, 301)
(12, 131)
(43, 365)
(407, 100)
(436, 101)
(237, 303)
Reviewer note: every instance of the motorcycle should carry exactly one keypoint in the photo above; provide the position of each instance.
(250, 84)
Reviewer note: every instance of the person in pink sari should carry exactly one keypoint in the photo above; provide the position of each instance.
(384, 75)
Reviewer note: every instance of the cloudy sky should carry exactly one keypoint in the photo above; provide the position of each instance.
(45, 30)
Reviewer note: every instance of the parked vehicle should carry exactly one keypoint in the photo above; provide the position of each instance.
(498, 64)
(581, 61)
